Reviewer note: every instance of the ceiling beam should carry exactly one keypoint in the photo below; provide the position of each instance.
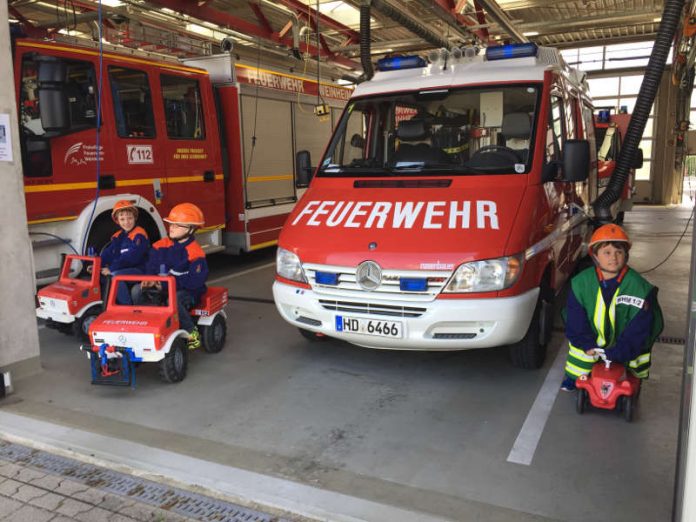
(502, 19)
(446, 11)
(326, 21)
(604, 21)
(226, 20)
(29, 27)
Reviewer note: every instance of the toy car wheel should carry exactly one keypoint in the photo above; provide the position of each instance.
(312, 336)
(627, 408)
(81, 325)
(581, 401)
(174, 365)
(214, 335)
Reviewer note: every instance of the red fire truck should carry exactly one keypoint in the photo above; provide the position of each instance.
(609, 131)
(220, 134)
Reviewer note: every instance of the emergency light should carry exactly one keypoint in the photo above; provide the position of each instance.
(413, 284)
(503, 52)
(396, 63)
(326, 278)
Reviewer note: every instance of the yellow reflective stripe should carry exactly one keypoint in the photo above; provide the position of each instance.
(640, 360)
(575, 370)
(51, 220)
(455, 150)
(642, 374)
(598, 319)
(263, 245)
(580, 354)
(612, 316)
(122, 183)
(257, 179)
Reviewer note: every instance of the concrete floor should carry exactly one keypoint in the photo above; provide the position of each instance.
(425, 432)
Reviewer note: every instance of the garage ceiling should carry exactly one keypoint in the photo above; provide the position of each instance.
(283, 31)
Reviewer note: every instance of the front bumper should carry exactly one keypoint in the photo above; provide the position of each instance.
(445, 324)
(55, 315)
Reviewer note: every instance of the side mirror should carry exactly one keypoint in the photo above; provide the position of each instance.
(576, 160)
(53, 99)
(303, 168)
(549, 172)
(637, 159)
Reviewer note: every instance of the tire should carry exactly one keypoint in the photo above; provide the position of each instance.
(312, 336)
(174, 365)
(627, 408)
(529, 352)
(214, 335)
(581, 401)
(100, 233)
(81, 326)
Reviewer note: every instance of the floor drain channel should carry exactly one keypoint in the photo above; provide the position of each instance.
(665, 339)
(179, 501)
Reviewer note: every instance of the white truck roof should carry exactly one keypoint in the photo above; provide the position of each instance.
(470, 71)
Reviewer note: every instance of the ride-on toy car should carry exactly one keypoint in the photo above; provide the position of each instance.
(127, 334)
(609, 386)
(74, 301)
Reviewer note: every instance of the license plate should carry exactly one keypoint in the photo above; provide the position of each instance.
(393, 329)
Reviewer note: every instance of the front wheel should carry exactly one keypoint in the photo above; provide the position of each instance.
(174, 365)
(529, 352)
(81, 325)
(627, 409)
(581, 401)
(214, 335)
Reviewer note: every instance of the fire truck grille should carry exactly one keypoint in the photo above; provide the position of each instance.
(402, 285)
(371, 308)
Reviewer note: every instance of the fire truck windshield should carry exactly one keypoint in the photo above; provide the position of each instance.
(482, 130)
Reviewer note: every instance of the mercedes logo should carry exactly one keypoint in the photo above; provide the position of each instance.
(368, 275)
(122, 339)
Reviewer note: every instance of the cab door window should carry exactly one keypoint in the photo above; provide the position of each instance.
(183, 107)
(132, 98)
(554, 130)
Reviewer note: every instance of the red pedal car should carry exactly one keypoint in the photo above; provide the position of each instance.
(127, 334)
(74, 301)
(609, 386)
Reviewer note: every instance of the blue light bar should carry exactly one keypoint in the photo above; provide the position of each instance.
(413, 284)
(397, 63)
(503, 52)
(326, 278)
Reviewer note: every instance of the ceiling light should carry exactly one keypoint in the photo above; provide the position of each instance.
(112, 3)
(658, 19)
(531, 33)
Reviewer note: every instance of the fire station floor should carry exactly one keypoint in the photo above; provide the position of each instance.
(331, 431)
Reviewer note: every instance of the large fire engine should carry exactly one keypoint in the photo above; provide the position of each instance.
(220, 134)
(449, 207)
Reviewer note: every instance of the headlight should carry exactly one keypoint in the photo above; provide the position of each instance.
(485, 276)
(288, 265)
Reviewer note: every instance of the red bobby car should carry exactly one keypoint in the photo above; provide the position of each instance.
(608, 386)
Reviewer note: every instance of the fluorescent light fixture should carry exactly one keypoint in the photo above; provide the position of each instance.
(112, 3)
(531, 33)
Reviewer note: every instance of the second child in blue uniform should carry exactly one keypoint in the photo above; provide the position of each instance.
(126, 253)
(182, 257)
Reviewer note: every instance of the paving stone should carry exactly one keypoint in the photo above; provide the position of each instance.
(10, 487)
(69, 488)
(27, 493)
(49, 482)
(94, 515)
(142, 513)
(117, 517)
(91, 496)
(7, 506)
(28, 474)
(61, 518)
(72, 507)
(49, 501)
(8, 469)
(115, 503)
(30, 514)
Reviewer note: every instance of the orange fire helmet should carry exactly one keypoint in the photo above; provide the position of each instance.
(609, 233)
(124, 204)
(186, 214)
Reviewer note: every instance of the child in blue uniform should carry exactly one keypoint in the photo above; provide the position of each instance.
(182, 257)
(612, 307)
(126, 253)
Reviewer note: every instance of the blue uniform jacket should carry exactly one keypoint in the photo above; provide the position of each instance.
(126, 250)
(629, 343)
(185, 261)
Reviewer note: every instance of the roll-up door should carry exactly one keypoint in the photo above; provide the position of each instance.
(268, 165)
